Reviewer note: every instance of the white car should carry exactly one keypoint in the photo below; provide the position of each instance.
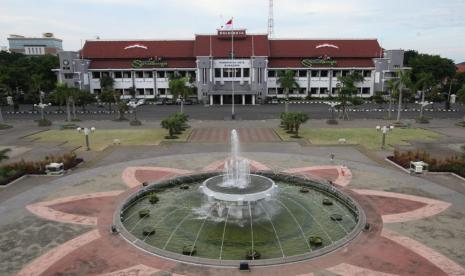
(141, 102)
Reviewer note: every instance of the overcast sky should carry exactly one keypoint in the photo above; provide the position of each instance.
(431, 26)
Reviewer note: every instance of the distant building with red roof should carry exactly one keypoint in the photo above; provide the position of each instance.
(230, 63)
(461, 67)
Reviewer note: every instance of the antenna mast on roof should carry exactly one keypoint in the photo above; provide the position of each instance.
(270, 19)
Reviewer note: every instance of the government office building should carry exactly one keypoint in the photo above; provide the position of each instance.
(249, 72)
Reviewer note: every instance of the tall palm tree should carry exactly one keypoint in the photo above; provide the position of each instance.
(64, 93)
(424, 82)
(402, 82)
(392, 87)
(179, 88)
(286, 80)
(347, 87)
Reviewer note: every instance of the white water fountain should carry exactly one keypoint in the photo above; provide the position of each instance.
(232, 192)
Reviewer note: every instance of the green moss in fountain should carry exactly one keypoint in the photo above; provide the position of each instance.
(252, 254)
(189, 250)
(327, 201)
(153, 198)
(315, 241)
(336, 217)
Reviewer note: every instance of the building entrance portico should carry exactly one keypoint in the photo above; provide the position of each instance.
(244, 99)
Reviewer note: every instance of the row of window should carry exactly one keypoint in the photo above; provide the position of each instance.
(140, 74)
(315, 91)
(322, 73)
(232, 72)
(139, 91)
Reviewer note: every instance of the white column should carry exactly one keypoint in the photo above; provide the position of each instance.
(253, 99)
(243, 99)
(211, 99)
(221, 100)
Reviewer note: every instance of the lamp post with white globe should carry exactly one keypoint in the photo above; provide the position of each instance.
(423, 104)
(86, 132)
(42, 106)
(384, 130)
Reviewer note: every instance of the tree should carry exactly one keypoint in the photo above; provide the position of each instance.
(84, 98)
(4, 155)
(392, 87)
(107, 96)
(122, 108)
(423, 83)
(402, 82)
(347, 87)
(461, 95)
(66, 94)
(171, 124)
(286, 80)
(179, 89)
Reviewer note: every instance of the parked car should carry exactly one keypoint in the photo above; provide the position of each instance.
(141, 102)
(131, 102)
(160, 101)
(170, 102)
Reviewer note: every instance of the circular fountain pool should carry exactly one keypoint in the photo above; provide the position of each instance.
(281, 228)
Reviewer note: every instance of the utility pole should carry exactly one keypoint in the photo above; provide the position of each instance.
(270, 19)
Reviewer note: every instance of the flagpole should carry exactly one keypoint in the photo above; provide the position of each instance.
(233, 115)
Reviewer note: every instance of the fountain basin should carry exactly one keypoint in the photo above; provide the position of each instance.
(260, 187)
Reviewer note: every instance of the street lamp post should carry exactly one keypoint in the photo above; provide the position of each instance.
(384, 130)
(86, 132)
(423, 104)
(134, 105)
(332, 105)
(42, 106)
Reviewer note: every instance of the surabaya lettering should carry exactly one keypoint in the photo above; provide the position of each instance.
(312, 62)
(137, 63)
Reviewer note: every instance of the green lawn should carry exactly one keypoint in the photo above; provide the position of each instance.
(368, 137)
(103, 138)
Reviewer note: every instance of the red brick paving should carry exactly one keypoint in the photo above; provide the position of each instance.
(389, 205)
(221, 135)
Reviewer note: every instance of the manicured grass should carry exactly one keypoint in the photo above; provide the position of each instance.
(103, 138)
(3, 126)
(367, 137)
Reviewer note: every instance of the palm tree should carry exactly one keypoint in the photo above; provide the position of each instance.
(4, 155)
(65, 93)
(403, 81)
(393, 87)
(286, 80)
(347, 87)
(36, 83)
(179, 89)
(423, 83)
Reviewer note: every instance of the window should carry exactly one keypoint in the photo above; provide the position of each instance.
(336, 73)
(217, 72)
(334, 91)
(118, 75)
(314, 90)
(324, 73)
(204, 75)
(69, 76)
(161, 91)
(302, 91)
(105, 74)
(139, 74)
(315, 73)
(140, 91)
(161, 74)
(182, 73)
(149, 91)
(271, 91)
(96, 75)
(119, 91)
(360, 72)
(271, 73)
(345, 72)
(367, 73)
(126, 75)
(148, 74)
(280, 91)
(302, 73)
(246, 72)
(323, 90)
(366, 90)
(97, 91)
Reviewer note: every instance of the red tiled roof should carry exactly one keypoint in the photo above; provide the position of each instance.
(366, 48)
(221, 47)
(127, 63)
(460, 68)
(340, 63)
(159, 48)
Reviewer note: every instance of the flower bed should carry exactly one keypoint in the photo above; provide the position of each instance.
(455, 164)
(10, 172)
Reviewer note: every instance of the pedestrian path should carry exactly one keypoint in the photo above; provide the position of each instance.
(221, 135)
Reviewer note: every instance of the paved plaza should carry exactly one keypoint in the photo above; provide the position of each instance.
(61, 225)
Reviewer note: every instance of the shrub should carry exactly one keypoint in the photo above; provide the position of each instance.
(144, 213)
(135, 122)
(327, 201)
(336, 217)
(252, 254)
(44, 122)
(315, 240)
(189, 250)
(175, 124)
(153, 198)
(148, 230)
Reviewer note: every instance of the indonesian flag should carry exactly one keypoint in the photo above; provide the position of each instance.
(229, 24)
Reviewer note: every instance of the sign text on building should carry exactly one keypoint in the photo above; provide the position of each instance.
(232, 63)
(313, 62)
(151, 62)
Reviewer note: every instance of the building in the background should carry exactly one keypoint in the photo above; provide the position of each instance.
(35, 46)
(251, 76)
(461, 67)
(3, 49)
(73, 71)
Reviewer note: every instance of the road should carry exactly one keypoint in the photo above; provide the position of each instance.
(248, 112)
